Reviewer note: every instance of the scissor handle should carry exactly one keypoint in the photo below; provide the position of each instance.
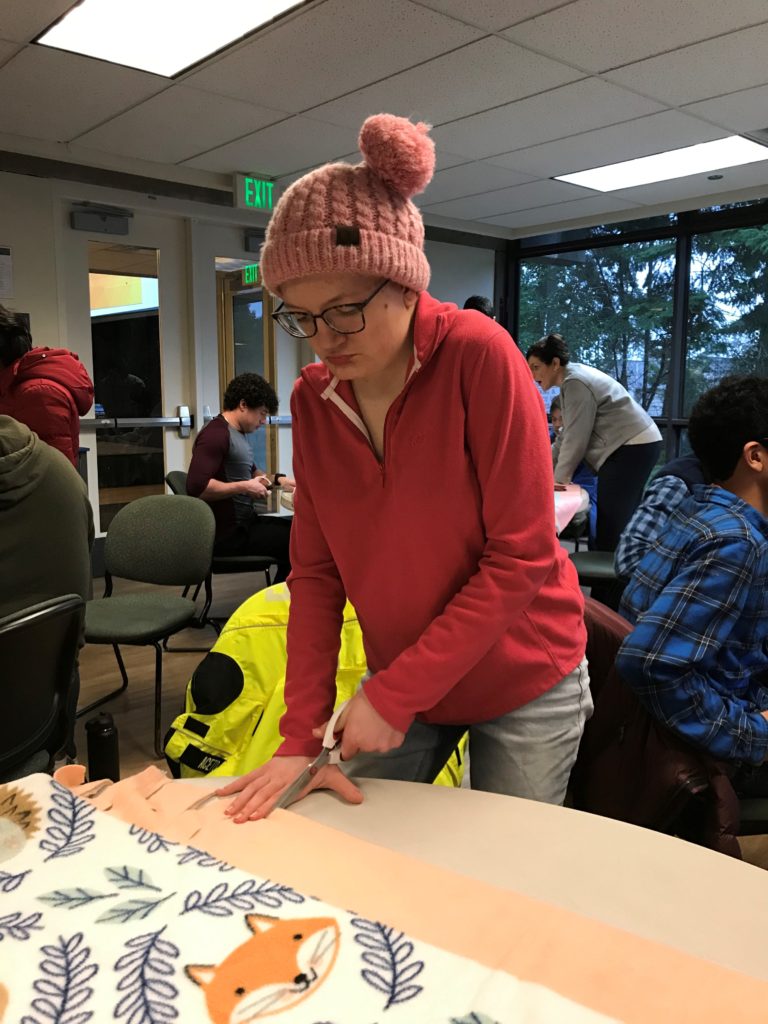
(330, 742)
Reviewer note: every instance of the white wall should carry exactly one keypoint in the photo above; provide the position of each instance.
(459, 271)
(50, 269)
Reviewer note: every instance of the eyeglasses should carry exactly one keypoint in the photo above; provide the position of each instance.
(346, 319)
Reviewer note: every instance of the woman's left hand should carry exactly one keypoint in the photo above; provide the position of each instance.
(363, 729)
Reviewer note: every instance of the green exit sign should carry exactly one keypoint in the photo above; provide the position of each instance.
(251, 274)
(252, 193)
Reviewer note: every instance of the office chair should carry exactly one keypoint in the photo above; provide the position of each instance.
(177, 481)
(38, 657)
(162, 539)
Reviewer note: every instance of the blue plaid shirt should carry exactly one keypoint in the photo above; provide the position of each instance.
(662, 496)
(698, 655)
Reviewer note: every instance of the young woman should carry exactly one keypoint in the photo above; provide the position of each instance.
(603, 426)
(424, 493)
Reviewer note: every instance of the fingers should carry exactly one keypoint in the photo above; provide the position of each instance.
(257, 805)
(236, 784)
(250, 795)
(339, 783)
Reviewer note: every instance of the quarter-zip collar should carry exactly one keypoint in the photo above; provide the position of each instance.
(432, 321)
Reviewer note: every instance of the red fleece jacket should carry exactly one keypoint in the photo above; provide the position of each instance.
(446, 547)
(48, 389)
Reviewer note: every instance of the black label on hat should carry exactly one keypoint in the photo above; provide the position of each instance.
(347, 234)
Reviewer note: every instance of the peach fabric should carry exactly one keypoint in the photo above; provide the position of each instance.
(605, 968)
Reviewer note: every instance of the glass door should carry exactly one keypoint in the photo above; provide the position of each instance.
(125, 332)
(247, 343)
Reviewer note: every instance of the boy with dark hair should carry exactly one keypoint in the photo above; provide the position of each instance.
(481, 304)
(48, 389)
(698, 656)
(222, 472)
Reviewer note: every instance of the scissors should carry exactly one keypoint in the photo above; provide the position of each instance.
(330, 754)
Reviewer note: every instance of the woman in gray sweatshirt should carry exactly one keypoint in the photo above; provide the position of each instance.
(604, 426)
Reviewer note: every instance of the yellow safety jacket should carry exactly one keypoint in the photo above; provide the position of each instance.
(234, 700)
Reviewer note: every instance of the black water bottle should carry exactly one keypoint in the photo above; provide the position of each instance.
(103, 748)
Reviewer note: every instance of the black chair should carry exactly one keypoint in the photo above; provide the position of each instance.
(161, 539)
(38, 657)
(177, 481)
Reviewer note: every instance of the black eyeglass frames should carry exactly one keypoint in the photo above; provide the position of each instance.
(348, 318)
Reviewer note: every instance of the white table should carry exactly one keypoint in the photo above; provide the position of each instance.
(655, 886)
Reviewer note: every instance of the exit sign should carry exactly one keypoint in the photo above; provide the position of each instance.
(252, 193)
(251, 274)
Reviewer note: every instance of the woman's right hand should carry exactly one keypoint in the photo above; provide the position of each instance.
(260, 789)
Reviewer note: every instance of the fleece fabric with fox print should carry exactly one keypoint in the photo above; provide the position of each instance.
(102, 921)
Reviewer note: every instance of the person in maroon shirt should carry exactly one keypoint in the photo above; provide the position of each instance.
(222, 472)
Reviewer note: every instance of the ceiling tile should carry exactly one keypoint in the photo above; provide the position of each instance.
(478, 76)
(59, 95)
(743, 111)
(177, 124)
(735, 61)
(560, 213)
(280, 149)
(7, 50)
(493, 14)
(442, 162)
(467, 180)
(602, 34)
(22, 20)
(697, 185)
(569, 110)
(505, 200)
(645, 135)
(331, 50)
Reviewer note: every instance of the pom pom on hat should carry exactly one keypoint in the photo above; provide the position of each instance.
(357, 218)
(399, 152)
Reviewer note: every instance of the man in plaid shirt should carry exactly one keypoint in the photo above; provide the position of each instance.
(698, 656)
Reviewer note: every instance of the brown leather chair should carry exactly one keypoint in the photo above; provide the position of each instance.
(632, 768)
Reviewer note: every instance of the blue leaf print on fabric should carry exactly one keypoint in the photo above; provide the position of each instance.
(389, 955)
(473, 1018)
(16, 926)
(121, 913)
(9, 882)
(63, 990)
(202, 859)
(220, 902)
(154, 842)
(125, 877)
(74, 899)
(146, 970)
(71, 824)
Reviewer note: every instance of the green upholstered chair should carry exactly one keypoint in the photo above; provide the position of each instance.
(38, 655)
(162, 539)
(177, 481)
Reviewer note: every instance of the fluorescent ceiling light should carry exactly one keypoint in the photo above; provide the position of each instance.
(161, 36)
(677, 163)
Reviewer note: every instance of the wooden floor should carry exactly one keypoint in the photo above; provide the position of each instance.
(133, 711)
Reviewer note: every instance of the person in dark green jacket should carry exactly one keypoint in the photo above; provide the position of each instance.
(46, 524)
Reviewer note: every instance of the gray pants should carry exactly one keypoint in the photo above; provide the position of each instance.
(529, 752)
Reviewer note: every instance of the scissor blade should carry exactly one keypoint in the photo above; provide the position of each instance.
(303, 779)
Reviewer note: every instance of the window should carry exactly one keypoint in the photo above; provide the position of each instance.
(727, 308)
(613, 306)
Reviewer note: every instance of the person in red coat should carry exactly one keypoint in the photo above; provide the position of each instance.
(48, 389)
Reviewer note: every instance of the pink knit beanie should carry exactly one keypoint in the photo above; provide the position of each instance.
(358, 218)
